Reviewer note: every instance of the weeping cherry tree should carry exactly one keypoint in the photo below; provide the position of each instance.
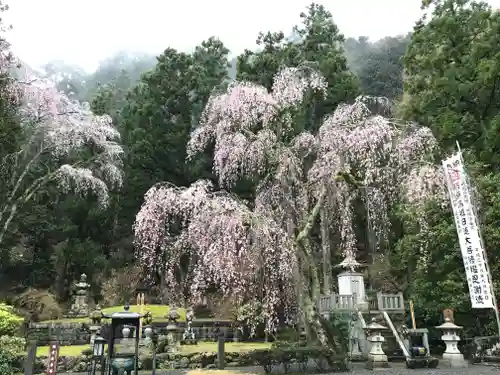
(58, 137)
(263, 250)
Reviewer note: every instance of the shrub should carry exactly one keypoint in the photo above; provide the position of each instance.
(39, 305)
(6, 367)
(12, 344)
(324, 358)
(11, 354)
(10, 322)
(337, 331)
(288, 334)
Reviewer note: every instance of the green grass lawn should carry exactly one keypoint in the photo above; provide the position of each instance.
(202, 347)
(158, 311)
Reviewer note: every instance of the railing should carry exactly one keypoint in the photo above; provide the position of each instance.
(390, 302)
(336, 302)
(383, 302)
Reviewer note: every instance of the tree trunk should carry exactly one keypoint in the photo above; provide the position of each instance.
(311, 284)
(326, 252)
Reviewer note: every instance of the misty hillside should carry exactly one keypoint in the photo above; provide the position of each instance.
(124, 69)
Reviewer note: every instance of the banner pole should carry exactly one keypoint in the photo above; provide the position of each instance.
(481, 240)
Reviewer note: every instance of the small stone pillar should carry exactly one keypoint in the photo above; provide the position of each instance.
(93, 333)
(451, 338)
(376, 356)
(95, 326)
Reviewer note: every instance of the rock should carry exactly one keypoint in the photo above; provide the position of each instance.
(184, 362)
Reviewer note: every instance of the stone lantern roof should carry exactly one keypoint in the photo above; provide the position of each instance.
(375, 326)
(350, 263)
(449, 325)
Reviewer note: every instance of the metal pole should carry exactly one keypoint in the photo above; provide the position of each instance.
(481, 240)
(103, 362)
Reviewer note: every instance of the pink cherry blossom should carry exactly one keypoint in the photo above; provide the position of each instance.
(241, 252)
(58, 129)
(61, 127)
(263, 251)
(381, 154)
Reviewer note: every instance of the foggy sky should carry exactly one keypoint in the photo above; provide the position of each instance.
(85, 32)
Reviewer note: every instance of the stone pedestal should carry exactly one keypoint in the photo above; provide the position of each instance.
(352, 283)
(452, 355)
(376, 357)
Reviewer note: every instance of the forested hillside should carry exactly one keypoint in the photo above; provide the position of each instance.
(442, 76)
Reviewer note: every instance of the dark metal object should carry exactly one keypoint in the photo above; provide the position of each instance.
(124, 318)
(97, 355)
(420, 358)
(419, 355)
(418, 351)
(421, 362)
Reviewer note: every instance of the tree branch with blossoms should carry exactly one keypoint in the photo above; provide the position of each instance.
(55, 130)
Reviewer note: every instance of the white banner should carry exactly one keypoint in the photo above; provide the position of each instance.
(473, 254)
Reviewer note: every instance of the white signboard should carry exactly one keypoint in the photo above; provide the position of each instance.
(473, 253)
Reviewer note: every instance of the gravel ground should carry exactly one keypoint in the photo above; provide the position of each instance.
(400, 369)
(356, 369)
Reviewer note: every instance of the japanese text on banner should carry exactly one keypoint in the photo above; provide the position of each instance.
(471, 247)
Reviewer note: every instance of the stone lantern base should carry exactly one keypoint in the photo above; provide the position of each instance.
(377, 361)
(454, 360)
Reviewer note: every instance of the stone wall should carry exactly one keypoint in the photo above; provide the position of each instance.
(79, 333)
(64, 333)
(163, 361)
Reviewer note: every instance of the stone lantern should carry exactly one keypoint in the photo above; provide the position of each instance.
(376, 356)
(79, 307)
(451, 338)
(171, 328)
